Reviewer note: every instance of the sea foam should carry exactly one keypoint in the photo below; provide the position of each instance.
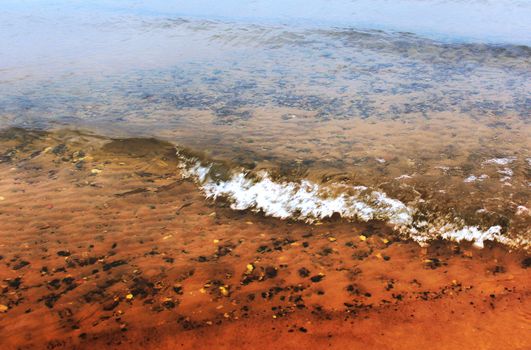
(310, 202)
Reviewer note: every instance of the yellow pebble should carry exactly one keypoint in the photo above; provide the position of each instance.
(224, 291)
(363, 238)
(129, 296)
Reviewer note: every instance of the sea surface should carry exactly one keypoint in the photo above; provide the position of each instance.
(411, 112)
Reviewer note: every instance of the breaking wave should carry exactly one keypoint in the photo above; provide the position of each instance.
(311, 202)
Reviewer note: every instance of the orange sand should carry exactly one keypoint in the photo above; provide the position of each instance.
(109, 248)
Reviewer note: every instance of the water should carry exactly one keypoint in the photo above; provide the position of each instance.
(306, 110)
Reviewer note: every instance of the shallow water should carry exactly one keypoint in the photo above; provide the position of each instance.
(429, 109)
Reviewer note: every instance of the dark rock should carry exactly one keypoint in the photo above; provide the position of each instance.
(14, 283)
(115, 263)
(50, 300)
(55, 284)
(263, 249)
(317, 278)
(59, 149)
(526, 263)
(433, 263)
(168, 304)
(21, 264)
(271, 272)
(68, 280)
(304, 272)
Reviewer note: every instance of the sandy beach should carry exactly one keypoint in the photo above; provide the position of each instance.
(104, 245)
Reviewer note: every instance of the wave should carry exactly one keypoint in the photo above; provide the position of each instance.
(311, 202)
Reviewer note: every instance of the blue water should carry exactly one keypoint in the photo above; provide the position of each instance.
(500, 21)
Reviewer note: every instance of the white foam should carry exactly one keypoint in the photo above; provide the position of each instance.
(310, 202)
(405, 176)
(306, 201)
(474, 234)
(500, 161)
(508, 173)
(522, 210)
(473, 178)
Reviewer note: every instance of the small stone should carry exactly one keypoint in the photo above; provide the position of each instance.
(249, 269)
(304, 272)
(20, 265)
(317, 278)
(224, 290)
(129, 296)
(178, 288)
(168, 303)
(362, 238)
(3, 308)
(271, 272)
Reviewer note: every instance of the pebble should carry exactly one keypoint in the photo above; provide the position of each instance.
(317, 278)
(224, 291)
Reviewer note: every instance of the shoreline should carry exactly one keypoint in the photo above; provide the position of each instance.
(111, 247)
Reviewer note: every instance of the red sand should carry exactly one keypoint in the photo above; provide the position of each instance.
(109, 248)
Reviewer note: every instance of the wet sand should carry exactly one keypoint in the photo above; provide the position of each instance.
(104, 245)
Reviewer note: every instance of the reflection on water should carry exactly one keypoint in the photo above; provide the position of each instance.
(442, 126)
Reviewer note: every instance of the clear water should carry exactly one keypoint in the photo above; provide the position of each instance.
(426, 102)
